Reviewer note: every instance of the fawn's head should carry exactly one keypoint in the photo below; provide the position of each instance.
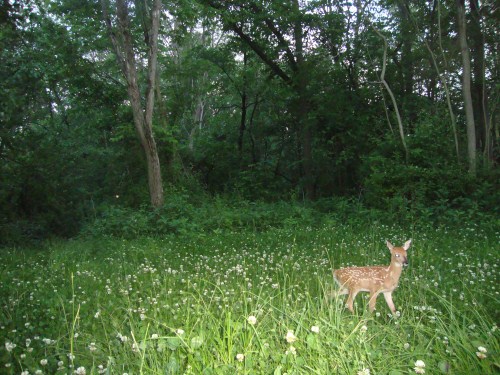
(398, 254)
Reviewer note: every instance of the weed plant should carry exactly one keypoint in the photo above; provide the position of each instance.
(250, 303)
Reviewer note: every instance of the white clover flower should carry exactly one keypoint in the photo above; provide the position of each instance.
(9, 346)
(240, 357)
(406, 346)
(60, 364)
(290, 337)
(481, 353)
(92, 347)
(291, 350)
(315, 329)
(38, 372)
(25, 372)
(419, 367)
(28, 342)
(97, 314)
(365, 371)
(44, 362)
(122, 338)
(252, 320)
(80, 371)
(363, 329)
(154, 336)
(179, 331)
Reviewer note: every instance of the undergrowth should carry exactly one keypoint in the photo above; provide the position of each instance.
(250, 302)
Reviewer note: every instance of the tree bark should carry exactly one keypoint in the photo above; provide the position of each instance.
(391, 94)
(244, 105)
(478, 89)
(466, 86)
(303, 107)
(143, 117)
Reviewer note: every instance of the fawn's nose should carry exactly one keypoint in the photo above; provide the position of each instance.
(405, 261)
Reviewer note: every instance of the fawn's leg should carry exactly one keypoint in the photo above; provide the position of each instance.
(350, 300)
(388, 299)
(373, 300)
(332, 293)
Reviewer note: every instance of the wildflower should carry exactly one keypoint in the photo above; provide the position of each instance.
(101, 369)
(365, 371)
(252, 320)
(315, 329)
(481, 353)
(26, 372)
(290, 337)
(240, 357)
(92, 347)
(406, 346)
(179, 331)
(9, 346)
(419, 367)
(96, 315)
(44, 362)
(154, 336)
(121, 337)
(80, 371)
(38, 372)
(291, 351)
(363, 329)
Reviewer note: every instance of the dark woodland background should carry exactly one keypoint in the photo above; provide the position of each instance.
(146, 117)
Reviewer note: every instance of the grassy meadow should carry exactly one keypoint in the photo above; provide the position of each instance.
(250, 302)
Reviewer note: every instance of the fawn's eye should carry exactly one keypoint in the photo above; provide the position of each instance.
(397, 255)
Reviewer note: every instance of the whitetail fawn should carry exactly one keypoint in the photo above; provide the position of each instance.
(374, 279)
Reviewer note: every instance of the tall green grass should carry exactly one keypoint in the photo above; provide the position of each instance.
(181, 305)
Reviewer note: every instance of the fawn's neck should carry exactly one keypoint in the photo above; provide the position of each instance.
(395, 270)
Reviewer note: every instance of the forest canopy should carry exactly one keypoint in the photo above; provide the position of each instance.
(150, 109)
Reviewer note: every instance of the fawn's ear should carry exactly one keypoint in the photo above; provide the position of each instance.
(407, 244)
(389, 245)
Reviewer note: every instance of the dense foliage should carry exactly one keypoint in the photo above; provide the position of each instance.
(255, 101)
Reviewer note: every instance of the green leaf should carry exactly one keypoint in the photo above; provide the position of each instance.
(196, 342)
(172, 343)
(172, 366)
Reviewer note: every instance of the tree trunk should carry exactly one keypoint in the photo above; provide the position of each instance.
(466, 87)
(479, 96)
(244, 105)
(143, 118)
(303, 107)
(391, 94)
(407, 65)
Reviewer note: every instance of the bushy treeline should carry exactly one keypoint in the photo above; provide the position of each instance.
(246, 137)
